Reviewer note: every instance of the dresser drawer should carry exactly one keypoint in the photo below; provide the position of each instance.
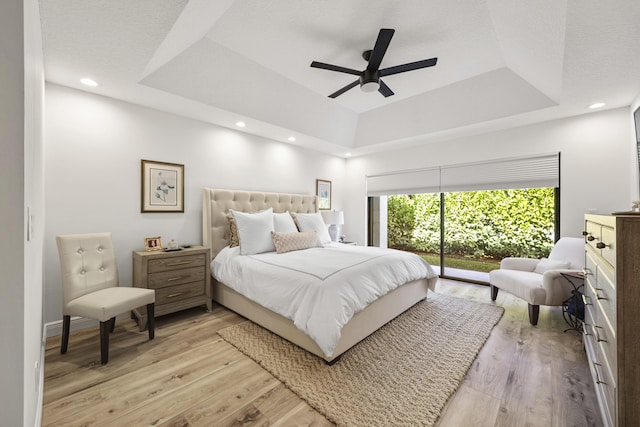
(176, 262)
(601, 239)
(176, 277)
(175, 293)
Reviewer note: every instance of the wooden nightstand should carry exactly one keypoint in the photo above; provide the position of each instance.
(181, 279)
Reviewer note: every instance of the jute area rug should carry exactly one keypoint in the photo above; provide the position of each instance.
(401, 375)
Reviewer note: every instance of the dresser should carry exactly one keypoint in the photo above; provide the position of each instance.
(612, 315)
(181, 279)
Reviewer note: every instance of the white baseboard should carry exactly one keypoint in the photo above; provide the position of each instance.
(54, 329)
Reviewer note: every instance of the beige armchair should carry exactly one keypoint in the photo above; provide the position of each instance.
(90, 287)
(539, 282)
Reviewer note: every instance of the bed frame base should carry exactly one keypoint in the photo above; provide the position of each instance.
(359, 327)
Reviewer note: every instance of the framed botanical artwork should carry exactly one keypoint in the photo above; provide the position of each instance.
(323, 191)
(162, 187)
(153, 243)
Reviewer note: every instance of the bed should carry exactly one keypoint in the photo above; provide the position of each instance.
(216, 235)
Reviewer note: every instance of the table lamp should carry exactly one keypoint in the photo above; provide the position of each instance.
(334, 219)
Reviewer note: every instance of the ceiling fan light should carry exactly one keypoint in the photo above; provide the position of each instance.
(370, 86)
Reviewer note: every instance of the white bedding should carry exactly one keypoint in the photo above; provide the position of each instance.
(319, 289)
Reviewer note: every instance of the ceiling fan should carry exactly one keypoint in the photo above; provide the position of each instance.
(369, 78)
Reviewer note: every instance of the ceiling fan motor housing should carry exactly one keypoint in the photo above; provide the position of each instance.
(370, 81)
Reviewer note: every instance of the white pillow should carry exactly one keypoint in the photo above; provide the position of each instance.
(283, 223)
(549, 264)
(254, 231)
(313, 222)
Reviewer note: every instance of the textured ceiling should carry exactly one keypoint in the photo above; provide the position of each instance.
(501, 63)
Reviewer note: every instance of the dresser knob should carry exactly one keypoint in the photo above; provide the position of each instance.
(600, 245)
(591, 238)
(585, 233)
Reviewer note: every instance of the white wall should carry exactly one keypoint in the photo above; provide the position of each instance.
(21, 109)
(93, 152)
(595, 168)
(633, 157)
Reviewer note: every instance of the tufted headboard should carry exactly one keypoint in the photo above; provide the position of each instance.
(216, 203)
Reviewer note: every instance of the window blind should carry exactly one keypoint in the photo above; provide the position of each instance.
(541, 171)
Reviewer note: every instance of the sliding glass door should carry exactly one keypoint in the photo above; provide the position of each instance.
(465, 218)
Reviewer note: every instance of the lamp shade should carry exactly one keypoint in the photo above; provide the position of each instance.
(333, 217)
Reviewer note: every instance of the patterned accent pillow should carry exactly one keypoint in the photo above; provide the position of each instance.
(233, 231)
(295, 241)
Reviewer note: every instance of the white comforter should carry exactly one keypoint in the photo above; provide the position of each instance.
(320, 289)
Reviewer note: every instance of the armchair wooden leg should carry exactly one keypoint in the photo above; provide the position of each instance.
(66, 323)
(151, 320)
(104, 341)
(534, 311)
(112, 324)
(494, 293)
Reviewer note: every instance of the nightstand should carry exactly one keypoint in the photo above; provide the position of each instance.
(181, 279)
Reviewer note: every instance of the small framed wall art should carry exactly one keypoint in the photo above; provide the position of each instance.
(323, 191)
(162, 187)
(153, 243)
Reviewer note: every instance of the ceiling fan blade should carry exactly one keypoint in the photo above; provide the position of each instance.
(408, 67)
(344, 89)
(316, 64)
(382, 43)
(384, 90)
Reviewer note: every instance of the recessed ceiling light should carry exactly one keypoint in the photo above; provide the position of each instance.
(241, 124)
(597, 105)
(291, 138)
(347, 154)
(88, 82)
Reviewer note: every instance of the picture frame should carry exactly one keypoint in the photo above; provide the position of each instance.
(323, 191)
(153, 243)
(161, 187)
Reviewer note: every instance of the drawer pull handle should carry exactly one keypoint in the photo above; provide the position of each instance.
(173, 279)
(587, 271)
(591, 238)
(584, 329)
(173, 264)
(600, 245)
(584, 300)
(595, 369)
(595, 330)
(174, 295)
(598, 297)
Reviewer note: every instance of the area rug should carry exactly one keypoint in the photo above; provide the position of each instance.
(401, 375)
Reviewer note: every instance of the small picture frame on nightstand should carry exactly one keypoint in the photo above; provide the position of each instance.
(153, 243)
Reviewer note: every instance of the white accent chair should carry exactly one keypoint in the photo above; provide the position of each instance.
(539, 282)
(90, 287)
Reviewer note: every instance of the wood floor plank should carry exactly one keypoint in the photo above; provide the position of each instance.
(189, 376)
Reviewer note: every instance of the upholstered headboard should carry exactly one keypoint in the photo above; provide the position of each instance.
(216, 203)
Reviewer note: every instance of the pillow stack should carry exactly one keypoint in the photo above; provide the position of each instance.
(266, 231)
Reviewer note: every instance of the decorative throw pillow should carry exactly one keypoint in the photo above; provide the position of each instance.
(282, 222)
(233, 231)
(254, 231)
(313, 222)
(549, 264)
(295, 241)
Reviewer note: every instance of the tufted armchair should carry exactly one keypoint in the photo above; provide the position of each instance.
(90, 287)
(539, 282)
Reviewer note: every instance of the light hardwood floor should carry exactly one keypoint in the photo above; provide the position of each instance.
(188, 376)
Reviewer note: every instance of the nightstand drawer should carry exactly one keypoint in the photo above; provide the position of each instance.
(176, 262)
(179, 292)
(176, 277)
